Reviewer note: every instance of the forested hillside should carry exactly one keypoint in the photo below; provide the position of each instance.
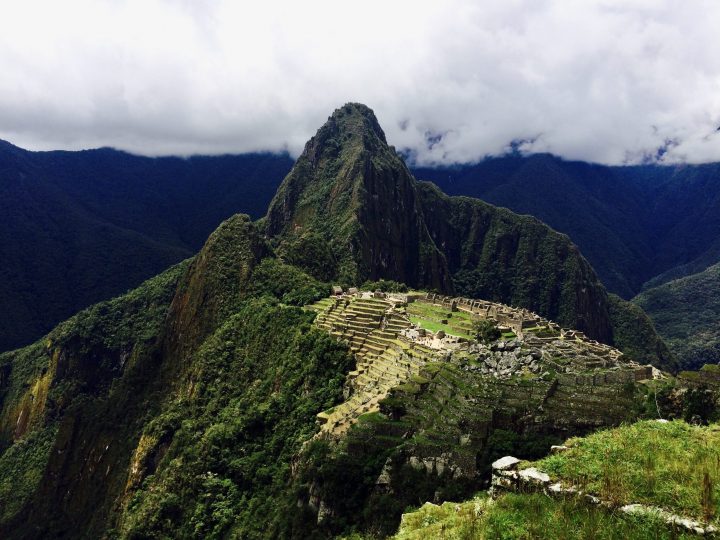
(79, 227)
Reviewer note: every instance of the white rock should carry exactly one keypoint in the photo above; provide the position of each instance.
(505, 463)
(533, 475)
(557, 489)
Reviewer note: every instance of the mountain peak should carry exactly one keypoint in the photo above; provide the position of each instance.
(351, 196)
(357, 119)
(351, 129)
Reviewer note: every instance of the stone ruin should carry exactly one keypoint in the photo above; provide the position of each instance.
(390, 350)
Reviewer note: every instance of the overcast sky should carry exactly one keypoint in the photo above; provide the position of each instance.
(611, 81)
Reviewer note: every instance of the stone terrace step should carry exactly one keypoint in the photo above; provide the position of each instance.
(383, 359)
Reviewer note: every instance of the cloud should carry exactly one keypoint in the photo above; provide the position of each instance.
(610, 81)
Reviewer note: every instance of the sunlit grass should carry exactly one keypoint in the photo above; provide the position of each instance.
(428, 316)
(672, 465)
(526, 517)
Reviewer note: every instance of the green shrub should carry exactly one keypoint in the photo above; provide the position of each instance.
(486, 331)
(385, 285)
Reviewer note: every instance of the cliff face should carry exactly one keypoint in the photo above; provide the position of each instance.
(495, 254)
(216, 280)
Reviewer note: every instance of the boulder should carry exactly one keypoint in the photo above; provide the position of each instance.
(532, 475)
(506, 463)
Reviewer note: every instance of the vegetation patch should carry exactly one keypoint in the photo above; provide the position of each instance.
(527, 517)
(21, 469)
(435, 318)
(672, 465)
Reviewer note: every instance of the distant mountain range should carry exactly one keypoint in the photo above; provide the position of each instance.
(79, 227)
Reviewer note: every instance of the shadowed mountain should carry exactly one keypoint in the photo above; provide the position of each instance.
(79, 227)
(686, 313)
(632, 223)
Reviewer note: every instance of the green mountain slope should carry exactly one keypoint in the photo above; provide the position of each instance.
(686, 313)
(633, 223)
(495, 254)
(198, 386)
(80, 227)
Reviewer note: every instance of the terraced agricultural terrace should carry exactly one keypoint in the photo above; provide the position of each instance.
(434, 317)
(395, 337)
(372, 327)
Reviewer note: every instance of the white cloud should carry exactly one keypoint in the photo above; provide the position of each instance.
(608, 80)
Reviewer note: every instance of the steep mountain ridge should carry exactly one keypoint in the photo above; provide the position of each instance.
(517, 260)
(351, 187)
(633, 223)
(108, 394)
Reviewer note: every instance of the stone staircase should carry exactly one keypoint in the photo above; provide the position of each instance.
(384, 359)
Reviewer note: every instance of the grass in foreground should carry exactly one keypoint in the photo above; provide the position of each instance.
(672, 465)
(526, 517)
